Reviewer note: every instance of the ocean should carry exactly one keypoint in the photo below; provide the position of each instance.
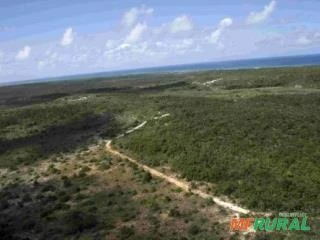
(287, 61)
(292, 61)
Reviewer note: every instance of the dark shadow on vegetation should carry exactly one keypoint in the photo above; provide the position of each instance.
(148, 89)
(19, 102)
(56, 139)
(108, 90)
(39, 93)
(162, 87)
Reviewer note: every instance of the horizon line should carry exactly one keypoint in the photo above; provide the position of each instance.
(135, 71)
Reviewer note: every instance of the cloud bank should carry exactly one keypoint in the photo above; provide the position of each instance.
(141, 42)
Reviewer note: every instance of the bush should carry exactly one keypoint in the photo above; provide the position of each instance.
(64, 197)
(146, 177)
(26, 198)
(4, 204)
(104, 166)
(48, 188)
(174, 212)
(78, 221)
(194, 229)
(126, 232)
(66, 182)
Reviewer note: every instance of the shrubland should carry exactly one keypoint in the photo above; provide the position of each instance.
(252, 135)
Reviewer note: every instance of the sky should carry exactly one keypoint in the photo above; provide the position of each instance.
(47, 38)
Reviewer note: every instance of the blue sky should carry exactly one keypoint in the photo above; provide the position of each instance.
(57, 37)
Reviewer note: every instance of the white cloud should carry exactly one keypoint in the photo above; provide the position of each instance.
(181, 24)
(41, 65)
(303, 40)
(226, 22)
(126, 53)
(136, 33)
(178, 40)
(258, 17)
(176, 46)
(123, 46)
(181, 47)
(186, 43)
(23, 53)
(215, 36)
(109, 44)
(131, 17)
(67, 37)
(160, 44)
(79, 58)
(118, 48)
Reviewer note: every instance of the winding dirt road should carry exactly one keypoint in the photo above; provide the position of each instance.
(178, 182)
(173, 180)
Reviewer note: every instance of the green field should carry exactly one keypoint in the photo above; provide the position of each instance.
(254, 135)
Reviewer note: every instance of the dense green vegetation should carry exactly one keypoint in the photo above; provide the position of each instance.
(300, 77)
(263, 146)
(253, 134)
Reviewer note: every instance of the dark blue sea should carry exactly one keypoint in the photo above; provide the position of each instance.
(292, 61)
(306, 60)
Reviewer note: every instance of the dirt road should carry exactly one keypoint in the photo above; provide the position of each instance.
(173, 180)
(178, 182)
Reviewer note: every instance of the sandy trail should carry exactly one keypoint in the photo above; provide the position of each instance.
(212, 81)
(136, 128)
(173, 180)
(178, 182)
